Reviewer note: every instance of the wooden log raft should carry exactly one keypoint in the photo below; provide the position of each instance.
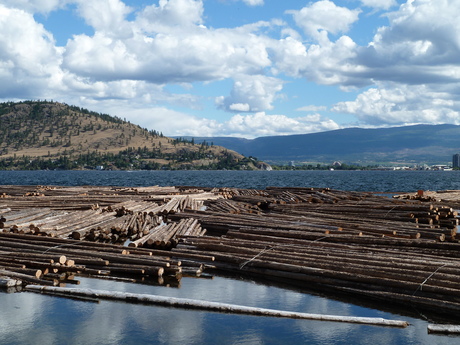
(359, 243)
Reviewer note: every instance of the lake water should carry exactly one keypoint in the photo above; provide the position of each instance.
(28, 318)
(382, 181)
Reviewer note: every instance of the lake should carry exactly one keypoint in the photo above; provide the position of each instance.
(28, 318)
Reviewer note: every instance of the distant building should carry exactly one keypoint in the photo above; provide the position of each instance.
(456, 160)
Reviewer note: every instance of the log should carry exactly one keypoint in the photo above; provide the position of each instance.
(6, 282)
(212, 306)
(446, 329)
(25, 277)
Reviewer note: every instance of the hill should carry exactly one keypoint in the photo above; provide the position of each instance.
(50, 135)
(430, 144)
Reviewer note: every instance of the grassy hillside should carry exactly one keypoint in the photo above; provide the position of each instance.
(42, 134)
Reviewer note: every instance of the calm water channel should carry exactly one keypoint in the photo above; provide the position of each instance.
(28, 318)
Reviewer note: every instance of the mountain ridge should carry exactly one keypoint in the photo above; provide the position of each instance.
(423, 144)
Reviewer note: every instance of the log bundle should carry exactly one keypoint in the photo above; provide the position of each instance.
(53, 261)
(108, 215)
(397, 250)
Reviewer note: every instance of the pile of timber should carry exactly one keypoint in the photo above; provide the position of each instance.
(53, 261)
(90, 197)
(167, 235)
(449, 196)
(107, 215)
(231, 206)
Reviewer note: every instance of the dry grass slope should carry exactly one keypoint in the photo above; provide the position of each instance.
(52, 129)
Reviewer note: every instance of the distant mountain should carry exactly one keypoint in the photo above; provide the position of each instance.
(430, 144)
(52, 135)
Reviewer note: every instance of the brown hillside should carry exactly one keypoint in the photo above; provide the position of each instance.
(52, 129)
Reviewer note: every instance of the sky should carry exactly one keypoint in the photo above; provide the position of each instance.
(243, 68)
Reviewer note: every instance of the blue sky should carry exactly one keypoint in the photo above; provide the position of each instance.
(246, 68)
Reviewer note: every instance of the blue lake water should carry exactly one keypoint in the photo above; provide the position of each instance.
(381, 181)
(28, 318)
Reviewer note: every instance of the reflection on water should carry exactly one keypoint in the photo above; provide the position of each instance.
(28, 318)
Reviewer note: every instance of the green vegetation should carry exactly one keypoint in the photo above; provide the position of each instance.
(131, 159)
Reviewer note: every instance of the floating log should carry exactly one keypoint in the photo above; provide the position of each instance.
(446, 329)
(213, 306)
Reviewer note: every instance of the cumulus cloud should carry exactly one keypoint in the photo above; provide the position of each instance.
(328, 63)
(418, 46)
(402, 105)
(107, 16)
(322, 17)
(261, 124)
(29, 60)
(414, 65)
(169, 14)
(35, 6)
(251, 93)
(421, 33)
(165, 44)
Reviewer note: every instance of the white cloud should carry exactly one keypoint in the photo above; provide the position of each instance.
(328, 63)
(251, 93)
(29, 60)
(421, 34)
(414, 65)
(261, 124)
(171, 14)
(322, 17)
(165, 44)
(245, 107)
(418, 46)
(402, 105)
(107, 16)
(35, 6)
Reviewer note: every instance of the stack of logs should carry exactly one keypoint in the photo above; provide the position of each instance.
(404, 251)
(54, 261)
(113, 216)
